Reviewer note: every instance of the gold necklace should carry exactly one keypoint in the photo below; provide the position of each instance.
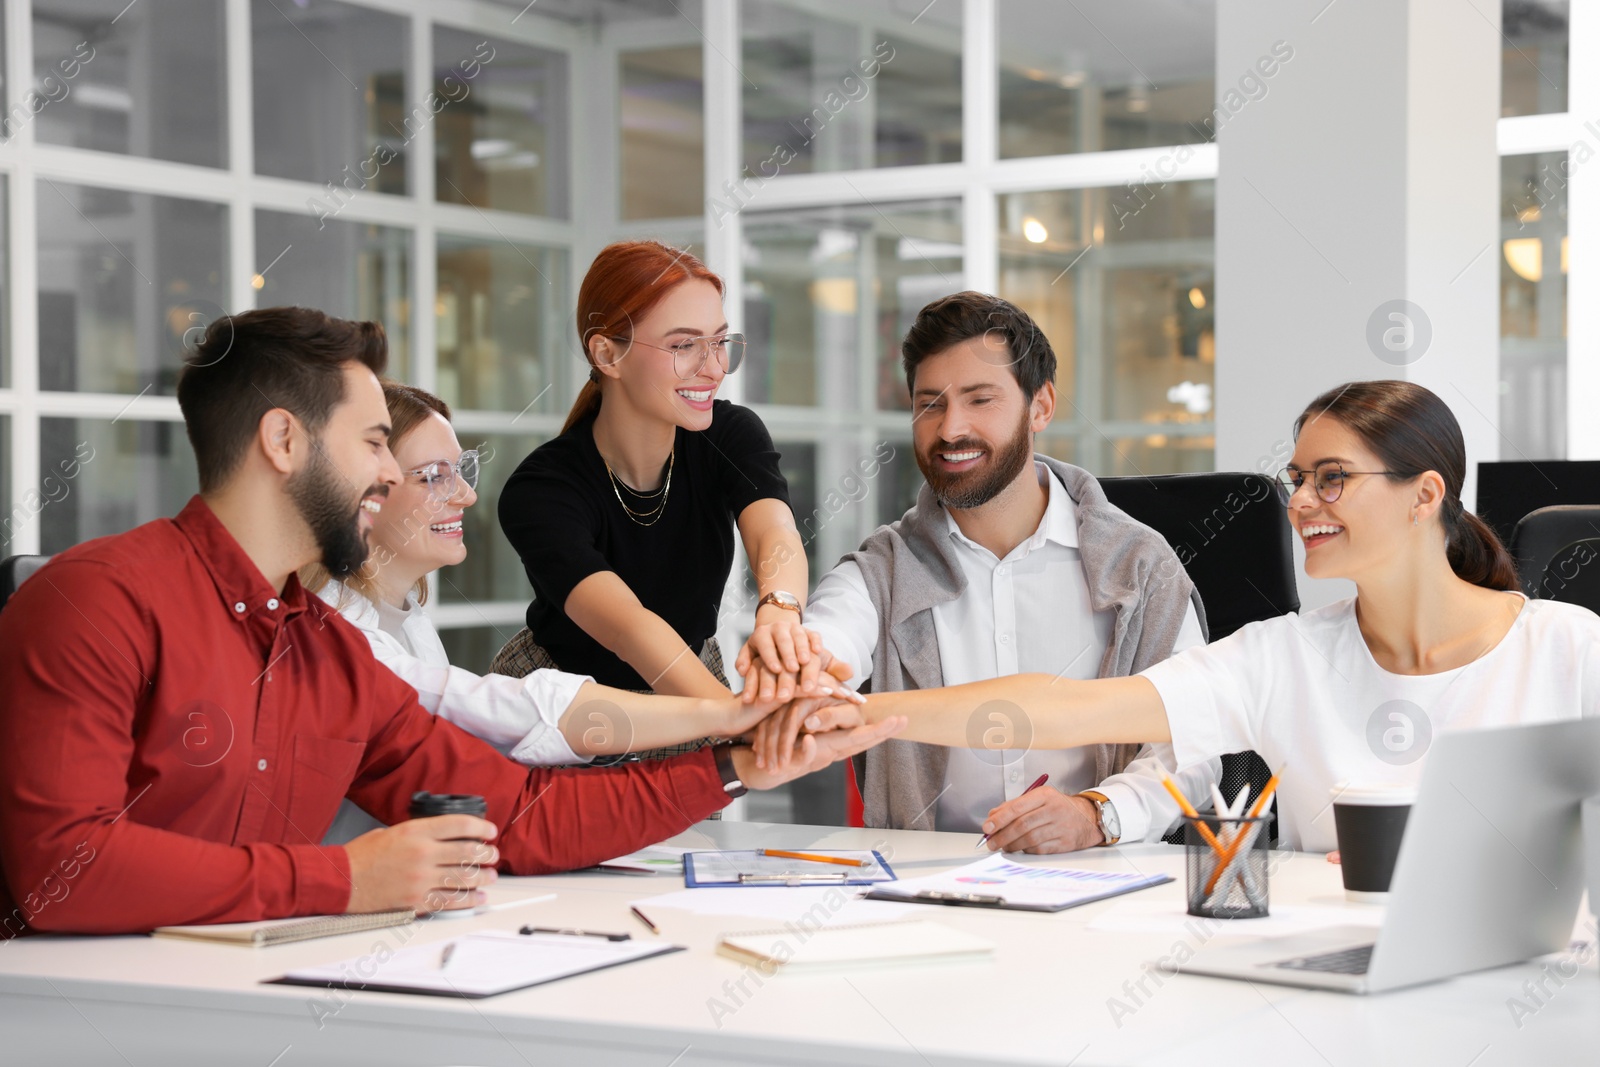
(655, 513)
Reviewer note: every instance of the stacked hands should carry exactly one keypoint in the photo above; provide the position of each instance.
(446, 862)
(805, 710)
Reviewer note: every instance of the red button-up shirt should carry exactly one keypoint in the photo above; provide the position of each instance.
(176, 736)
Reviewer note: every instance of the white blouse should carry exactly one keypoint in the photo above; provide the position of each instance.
(518, 716)
(1305, 692)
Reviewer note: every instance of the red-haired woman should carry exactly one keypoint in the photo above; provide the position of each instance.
(625, 521)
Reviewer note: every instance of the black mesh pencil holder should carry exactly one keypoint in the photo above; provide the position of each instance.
(1226, 861)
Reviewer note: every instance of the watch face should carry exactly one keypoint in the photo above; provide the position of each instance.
(1109, 823)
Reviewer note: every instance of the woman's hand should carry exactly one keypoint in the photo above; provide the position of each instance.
(742, 715)
(779, 656)
(765, 669)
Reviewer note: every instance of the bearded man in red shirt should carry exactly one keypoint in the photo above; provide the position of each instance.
(179, 719)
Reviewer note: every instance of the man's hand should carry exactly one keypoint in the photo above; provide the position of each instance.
(1043, 820)
(778, 737)
(814, 752)
(423, 864)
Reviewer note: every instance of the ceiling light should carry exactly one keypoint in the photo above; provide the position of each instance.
(1034, 231)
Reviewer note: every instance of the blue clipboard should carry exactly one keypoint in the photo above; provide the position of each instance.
(747, 868)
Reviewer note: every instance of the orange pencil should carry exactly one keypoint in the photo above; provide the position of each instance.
(814, 858)
(1188, 809)
(1226, 857)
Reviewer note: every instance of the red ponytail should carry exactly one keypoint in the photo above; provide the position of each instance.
(624, 282)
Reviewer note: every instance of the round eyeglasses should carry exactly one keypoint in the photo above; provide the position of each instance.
(441, 477)
(689, 354)
(1327, 480)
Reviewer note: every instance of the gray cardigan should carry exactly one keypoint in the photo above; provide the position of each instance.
(908, 570)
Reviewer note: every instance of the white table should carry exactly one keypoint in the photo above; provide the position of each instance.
(1045, 998)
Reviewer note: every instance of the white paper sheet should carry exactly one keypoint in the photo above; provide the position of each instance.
(1169, 917)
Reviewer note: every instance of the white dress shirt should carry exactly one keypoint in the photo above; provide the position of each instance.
(1027, 613)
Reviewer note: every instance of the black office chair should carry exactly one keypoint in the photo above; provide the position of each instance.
(1557, 550)
(1230, 534)
(14, 570)
(1509, 490)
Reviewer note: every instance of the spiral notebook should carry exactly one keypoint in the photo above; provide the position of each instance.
(283, 931)
(905, 941)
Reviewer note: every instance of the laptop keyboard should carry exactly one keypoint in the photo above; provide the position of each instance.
(1345, 961)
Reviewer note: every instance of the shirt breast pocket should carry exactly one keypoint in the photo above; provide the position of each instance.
(324, 767)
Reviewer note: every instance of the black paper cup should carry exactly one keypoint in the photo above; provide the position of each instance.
(1370, 822)
(425, 805)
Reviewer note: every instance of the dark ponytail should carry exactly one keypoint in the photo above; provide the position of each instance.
(1412, 431)
(1477, 555)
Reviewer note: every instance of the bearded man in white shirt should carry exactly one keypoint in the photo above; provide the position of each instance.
(1009, 562)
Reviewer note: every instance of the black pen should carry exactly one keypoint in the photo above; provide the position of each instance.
(574, 933)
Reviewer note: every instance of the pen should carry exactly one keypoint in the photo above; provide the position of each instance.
(814, 857)
(575, 933)
(444, 957)
(1037, 782)
(654, 929)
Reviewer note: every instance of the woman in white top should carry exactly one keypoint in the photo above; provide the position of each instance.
(546, 718)
(1436, 638)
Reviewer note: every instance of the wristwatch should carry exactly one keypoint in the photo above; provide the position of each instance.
(730, 776)
(1106, 813)
(782, 600)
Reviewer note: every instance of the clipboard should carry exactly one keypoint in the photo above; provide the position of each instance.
(483, 964)
(996, 882)
(748, 868)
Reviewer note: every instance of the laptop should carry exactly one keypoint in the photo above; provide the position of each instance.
(1490, 871)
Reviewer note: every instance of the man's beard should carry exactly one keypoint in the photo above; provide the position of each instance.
(976, 487)
(318, 493)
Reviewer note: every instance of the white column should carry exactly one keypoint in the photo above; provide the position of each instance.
(1357, 169)
(1583, 240)
(724, 230)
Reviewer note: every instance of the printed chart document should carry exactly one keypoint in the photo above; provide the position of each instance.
(750, 868)
(478, 965)
(996, 882)
(652, 859)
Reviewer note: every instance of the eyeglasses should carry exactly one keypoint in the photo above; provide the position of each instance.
(441, 477)
(1327, 479)
(691, 353)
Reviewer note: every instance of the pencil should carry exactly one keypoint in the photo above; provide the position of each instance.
(1188, 809)
(814, 858)
(654, 929)
(1226, 856)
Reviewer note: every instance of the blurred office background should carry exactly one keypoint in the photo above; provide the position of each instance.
(449, 168)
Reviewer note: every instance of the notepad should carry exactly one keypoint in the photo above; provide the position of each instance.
(480, 965)
(283, 931)
(795, 948)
